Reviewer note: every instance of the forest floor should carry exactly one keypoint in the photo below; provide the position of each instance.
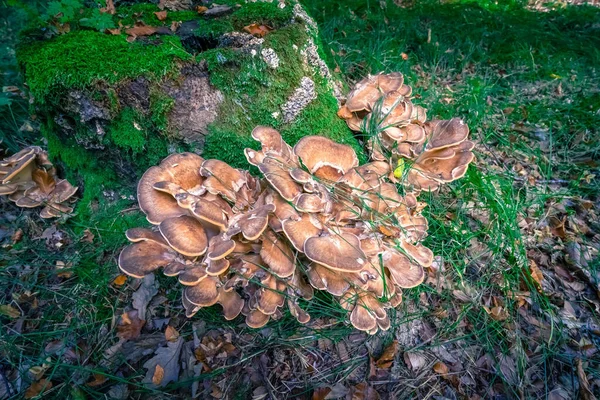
(511, 308)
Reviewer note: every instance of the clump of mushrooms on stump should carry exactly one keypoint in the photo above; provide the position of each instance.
(314, 220)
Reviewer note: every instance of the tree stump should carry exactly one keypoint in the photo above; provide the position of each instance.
(113, 103)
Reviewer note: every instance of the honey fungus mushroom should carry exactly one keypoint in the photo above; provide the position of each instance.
(29, 179)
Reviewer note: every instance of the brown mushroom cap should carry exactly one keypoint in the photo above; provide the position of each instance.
(210, 212)
(269, 297)
(222, 179)
(404, 273)
(21, 170)
(54, 210)
(184, 234)
(175, 268)
(181, 169)
(256, 319)
(192, 275)
(63, 191)
(142, 258)
(279, 178)
(135, 235)
(299, 231)
(340, 252)
(204, 294)
(216, 267)
(253, 222)
(277, 255)
(231, 302)
(273, 144)
(323, 278)
(320, 153)
(302, 316)
(220, 247)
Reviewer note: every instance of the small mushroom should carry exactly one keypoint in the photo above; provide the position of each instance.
(325, 158)
(340, 252)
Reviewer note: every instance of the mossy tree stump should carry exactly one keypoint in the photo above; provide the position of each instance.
(110, 108)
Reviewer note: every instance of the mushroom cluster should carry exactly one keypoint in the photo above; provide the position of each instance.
(316, 220)
(425, 153)
(29, 179)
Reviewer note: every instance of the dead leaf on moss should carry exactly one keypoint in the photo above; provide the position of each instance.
(201, 9)
(88, 236)
(321, 393)
(116, 31)
(38, 388)
(130, 325)
(389, 354)
(110, 8)
(140, 29)
(536, 274)
(258, 30)
(584, 385)
(161, 15)
(17, 236)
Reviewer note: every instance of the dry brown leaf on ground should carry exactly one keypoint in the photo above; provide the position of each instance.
(321, 393)
(167, 359)
(119, 280)
(99, 379)
(161, 15)
(362, 391)
(9, 311)
(38, 388)
(584, 385)
(387, 357)
(140, 29)
(130, 325)
(171, 334)
(159, 374)
(201, 9)
(141, 297)
(414, 361)
(258, 30)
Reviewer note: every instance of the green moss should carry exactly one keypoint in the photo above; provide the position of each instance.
(213, 27)
(254, 94)
(81, 58)
(160, 106)
(261, 13)
(127, 131)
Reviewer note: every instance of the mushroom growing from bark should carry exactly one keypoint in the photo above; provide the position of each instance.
(29, 179)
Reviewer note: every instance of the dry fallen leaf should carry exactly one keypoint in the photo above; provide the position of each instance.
(161, 15)
(387, 358)
(110, 7)
(404, 56)
(321, 393)
(114, 31)
(536, 274)
(167, 358)
(363, 391)
(414, 361)
(99, 380)
(120, 280)
(258, 30)
(38, 388)
(9, 311)
(87, 237)
(130, 325)
(584, 385)
(159, 374)
(171, 334)
(201, 9)
(17, 236)
(140, 29)
(440, 368)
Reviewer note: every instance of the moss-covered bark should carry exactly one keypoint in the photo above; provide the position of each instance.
(110, 108)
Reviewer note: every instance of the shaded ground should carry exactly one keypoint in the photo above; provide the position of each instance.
(510, 309)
